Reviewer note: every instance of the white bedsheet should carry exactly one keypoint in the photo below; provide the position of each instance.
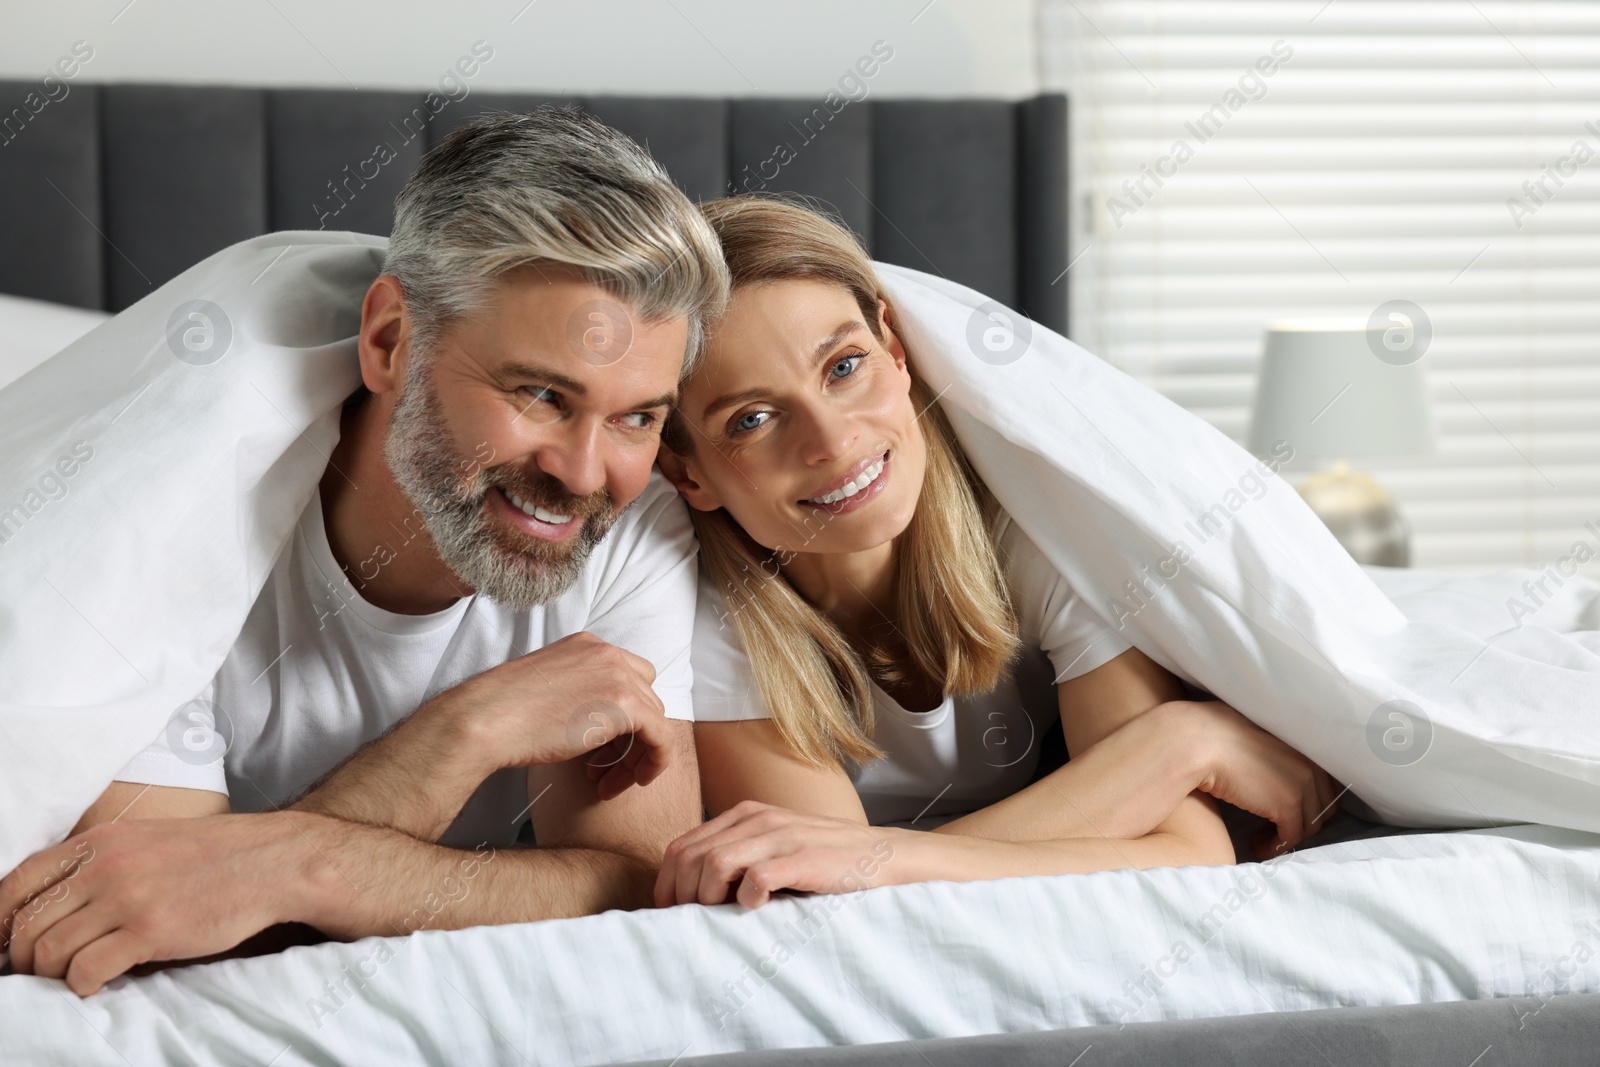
(1513, 912)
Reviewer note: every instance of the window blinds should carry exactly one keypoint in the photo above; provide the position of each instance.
(1243, 161)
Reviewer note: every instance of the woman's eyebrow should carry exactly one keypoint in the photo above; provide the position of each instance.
(728, 399)
(821, 352)
(830, 342)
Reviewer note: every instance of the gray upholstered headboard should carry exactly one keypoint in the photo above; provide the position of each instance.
(114, 189)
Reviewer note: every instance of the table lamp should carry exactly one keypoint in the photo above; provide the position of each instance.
(1325, 389)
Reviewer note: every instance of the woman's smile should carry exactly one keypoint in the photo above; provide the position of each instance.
(856, 489)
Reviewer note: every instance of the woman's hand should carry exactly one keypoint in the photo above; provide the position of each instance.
(762, 849)
(1251, 769)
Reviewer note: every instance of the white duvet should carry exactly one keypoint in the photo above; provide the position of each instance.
(196, 424)
(1509, 913)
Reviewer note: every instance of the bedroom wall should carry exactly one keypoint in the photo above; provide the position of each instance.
(662, 47)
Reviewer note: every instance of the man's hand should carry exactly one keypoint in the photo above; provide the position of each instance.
(576, 696)
(565, 700)
(762, 849)
(126, 893)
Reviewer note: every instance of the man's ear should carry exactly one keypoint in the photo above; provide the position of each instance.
(385, 325)
(680, 472)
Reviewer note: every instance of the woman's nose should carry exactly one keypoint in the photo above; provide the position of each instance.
(829, 435)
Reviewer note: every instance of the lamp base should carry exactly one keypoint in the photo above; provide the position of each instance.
(1361, 514)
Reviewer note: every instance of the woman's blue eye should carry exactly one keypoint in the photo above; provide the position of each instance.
(848, 363)
(746, 423)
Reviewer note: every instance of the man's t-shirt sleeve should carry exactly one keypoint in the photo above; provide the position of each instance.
(188, 753)
(645, 595)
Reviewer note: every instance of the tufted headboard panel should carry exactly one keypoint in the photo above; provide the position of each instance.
(113, 189)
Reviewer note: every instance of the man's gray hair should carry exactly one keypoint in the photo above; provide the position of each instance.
(551, 186)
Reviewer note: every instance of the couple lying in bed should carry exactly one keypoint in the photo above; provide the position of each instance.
(574, 382)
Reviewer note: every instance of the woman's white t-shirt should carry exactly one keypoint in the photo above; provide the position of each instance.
(967, 753)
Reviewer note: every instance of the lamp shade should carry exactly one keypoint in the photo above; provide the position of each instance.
(1325, 390)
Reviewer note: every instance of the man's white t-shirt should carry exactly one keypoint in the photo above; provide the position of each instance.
(967, 753)
(317, 671)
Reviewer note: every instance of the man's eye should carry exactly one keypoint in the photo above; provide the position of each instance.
(750, 421)
(541, 394)
(642, 420)
(845, 367)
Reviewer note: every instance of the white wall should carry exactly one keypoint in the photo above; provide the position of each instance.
(656, 47)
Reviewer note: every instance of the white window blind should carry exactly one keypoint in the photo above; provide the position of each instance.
(1445, 152)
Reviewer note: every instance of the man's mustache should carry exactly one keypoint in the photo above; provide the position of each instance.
(548, 493)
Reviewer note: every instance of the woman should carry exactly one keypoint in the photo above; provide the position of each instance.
(878, 644)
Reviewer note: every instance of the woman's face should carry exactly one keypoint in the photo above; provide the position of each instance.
(802, 422)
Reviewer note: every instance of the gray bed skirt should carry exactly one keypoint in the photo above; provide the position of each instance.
(1468, 1033)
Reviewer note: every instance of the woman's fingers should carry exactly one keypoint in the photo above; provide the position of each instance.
(679, 878)
(763, 879)
(724, 865)
(759, 849)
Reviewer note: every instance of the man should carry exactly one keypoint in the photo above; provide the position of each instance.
(489, 585)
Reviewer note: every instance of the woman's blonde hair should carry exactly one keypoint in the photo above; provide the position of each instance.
(955, 624)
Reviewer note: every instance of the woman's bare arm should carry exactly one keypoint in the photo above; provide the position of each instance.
(1133, 795)
(1127, 790)
(749, 760)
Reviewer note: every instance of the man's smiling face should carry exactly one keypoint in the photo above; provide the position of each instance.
(528, 429)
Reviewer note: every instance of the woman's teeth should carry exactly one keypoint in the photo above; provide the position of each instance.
(850, 489)
(535, 510)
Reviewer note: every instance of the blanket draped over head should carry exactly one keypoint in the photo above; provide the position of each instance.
(197, 424)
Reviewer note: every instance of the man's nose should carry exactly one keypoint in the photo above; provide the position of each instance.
(573, 454)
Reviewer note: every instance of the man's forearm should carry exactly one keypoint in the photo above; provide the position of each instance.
(414, 779)
(362, 881)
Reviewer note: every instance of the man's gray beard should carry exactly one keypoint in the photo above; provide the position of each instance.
(514, 569)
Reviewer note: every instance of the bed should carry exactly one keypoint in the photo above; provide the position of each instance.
(1372, 944)
(1308, 958)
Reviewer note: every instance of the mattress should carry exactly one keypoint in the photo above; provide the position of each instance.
(1504, 912)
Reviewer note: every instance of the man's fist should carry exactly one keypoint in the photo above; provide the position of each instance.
(563, 701)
